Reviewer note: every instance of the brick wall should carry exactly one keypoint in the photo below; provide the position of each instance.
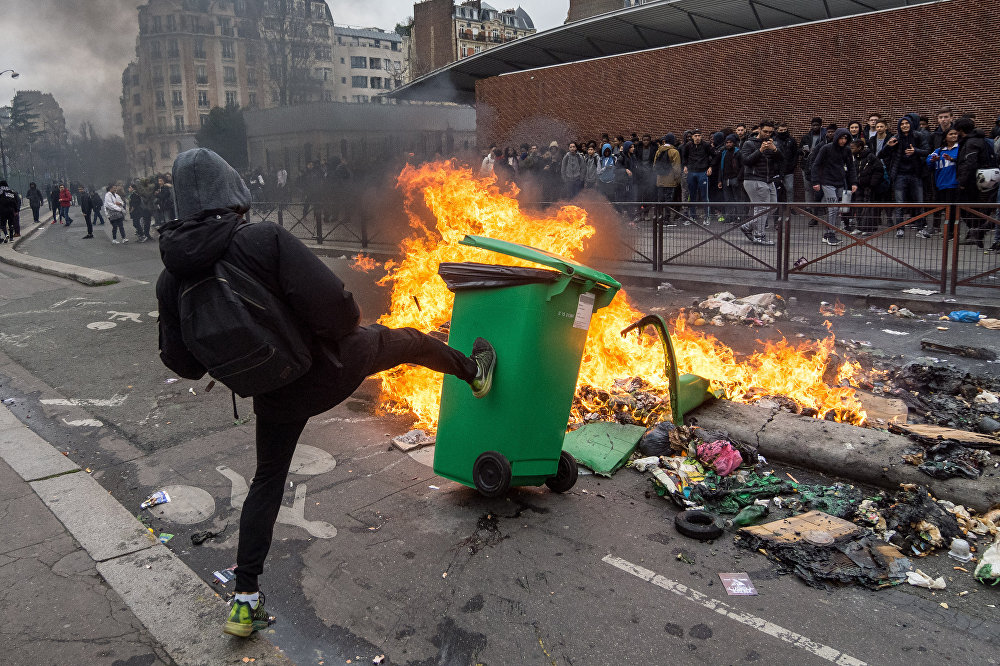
(580, 9)
(910, 59)
(433, 35)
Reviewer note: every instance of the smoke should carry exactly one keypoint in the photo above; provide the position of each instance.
(76, 51)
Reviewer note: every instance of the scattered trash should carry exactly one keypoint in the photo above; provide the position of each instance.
(412, 440)
(696, 524)
(683, 557)
(164, 537)
(159, 497)
(749, 515)
(225, 575)
(759, 309)
(738, 584)
(199, 538)
(170, 380)
(434, 487)
(721, 456)
(664, 439)
(960, 550)
(603, 446)
(191, 391)
(920, 292)
(981, 353)
(986, 398)
(854, 555)
(892, 332)
(378, 660)
(988, 569)
(8, 401)
(667, 287)
(965, 316)
(919, 579)
(629, 401)
(642, 464)
(992, 324)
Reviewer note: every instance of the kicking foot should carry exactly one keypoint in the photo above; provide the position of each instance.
(486, 360)
(244, 619)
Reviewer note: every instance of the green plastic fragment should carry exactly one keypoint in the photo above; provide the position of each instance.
(602, 446)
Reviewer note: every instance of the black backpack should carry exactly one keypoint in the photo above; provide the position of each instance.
(241, 332)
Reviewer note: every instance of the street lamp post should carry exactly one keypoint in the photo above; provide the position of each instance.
(3, 153)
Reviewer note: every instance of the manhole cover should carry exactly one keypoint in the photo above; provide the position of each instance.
(818, 538)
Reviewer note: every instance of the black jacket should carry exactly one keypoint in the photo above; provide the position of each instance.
(34, 197)
(758, 164)
(870, 172)
(898, 161)
(697, 157)
(833, 164)
(728, 164)
(971, 156)
(83, 198)
(789, 149)
(272, 255)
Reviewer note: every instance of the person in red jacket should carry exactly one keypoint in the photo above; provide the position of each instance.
(65, 201)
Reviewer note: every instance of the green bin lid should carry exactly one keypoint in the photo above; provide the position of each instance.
(561, 264)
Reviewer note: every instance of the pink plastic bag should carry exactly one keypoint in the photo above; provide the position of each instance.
(721, 456)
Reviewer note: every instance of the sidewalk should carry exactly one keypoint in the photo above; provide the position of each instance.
(85, 582)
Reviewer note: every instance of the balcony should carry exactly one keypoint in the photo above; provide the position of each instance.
(201, 80)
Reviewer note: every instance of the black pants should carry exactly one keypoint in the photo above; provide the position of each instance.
(141, 224)
(7, 223)
(90, 226)
(98, 216)
(372, 349)
(34, 212)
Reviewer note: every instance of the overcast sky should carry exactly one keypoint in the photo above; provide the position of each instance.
(77, 49)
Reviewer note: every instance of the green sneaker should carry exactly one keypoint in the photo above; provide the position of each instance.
(486, 359)
(244, 620)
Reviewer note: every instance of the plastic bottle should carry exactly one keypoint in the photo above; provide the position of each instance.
(750, 515)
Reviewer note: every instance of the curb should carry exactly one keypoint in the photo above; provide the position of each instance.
(175, 605)
(86, 276)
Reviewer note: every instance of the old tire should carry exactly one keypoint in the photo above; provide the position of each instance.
(696, 524)
(566, 474)
(491, 474)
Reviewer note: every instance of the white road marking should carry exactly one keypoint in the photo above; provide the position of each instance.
(84, 422)
(101, 325)
(114, 401)
(823, 651)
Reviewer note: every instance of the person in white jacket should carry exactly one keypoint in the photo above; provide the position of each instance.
(116, 214)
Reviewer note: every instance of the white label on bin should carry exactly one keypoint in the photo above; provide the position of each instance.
(584, 311)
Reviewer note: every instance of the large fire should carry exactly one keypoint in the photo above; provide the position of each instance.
(461, 204)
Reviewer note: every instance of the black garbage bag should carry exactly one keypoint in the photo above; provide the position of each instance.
(659, 440)
(469, 275)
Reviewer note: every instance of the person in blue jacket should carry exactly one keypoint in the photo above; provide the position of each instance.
(944, 163)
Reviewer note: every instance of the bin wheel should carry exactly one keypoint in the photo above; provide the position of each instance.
(566, 474)
(491, 474)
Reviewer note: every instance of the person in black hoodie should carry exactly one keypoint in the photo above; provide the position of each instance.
(212, 200)
(905, 154)
(83, 198)
(35, 199)
(697, 158)
(829, 171)
(730, 180)
(971, 158)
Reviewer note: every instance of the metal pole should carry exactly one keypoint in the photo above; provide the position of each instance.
(3, 155)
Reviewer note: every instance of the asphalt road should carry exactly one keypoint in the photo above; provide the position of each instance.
(375, 555)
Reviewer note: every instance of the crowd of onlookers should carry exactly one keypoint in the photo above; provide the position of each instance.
(734, 175)
(147, 200)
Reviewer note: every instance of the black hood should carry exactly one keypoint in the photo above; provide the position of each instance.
(192, 246)
(203, 181)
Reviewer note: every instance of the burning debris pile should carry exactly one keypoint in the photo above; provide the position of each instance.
(938, 393)
(632, 401)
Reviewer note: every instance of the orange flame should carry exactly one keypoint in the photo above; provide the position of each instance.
(364, 263)
(461, 204)
(836, 310)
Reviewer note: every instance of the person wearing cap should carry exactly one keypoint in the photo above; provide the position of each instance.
(212, 201)
(730, 180)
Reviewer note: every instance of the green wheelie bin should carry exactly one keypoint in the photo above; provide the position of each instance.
(537, 320)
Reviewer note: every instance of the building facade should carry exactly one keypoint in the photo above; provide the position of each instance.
(444, 32)
(193, 55)
(840, 70)
(368, 62)
(581, 9)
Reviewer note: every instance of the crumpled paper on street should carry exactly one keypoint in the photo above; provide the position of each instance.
(919, 579)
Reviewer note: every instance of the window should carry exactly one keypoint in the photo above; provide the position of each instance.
(201, 75)
(341, 61)
(177, 98)
(322, 73)
(225, 26)
(374, 63)
(229, 75)
(202, 119)
(175, 74)
(376, 82)
(328, 96)
(136, 100)
(199, 49)
(359, 98)
(173, 50)
(138, 119)
(154, 50)
(231, 98)
(323, 53)
(359, 62)
(179, 148)
(157, 24)
(171, 23)
(320, 30)
(161, 123)
(239, 7)
(227, 50)
(343, 80)
(179, 123)
(395, 46)
(203, 98)
(252, 99)
(160, 100)
(359, 81)
(377, 43)
(251, 77)
(164, 149)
